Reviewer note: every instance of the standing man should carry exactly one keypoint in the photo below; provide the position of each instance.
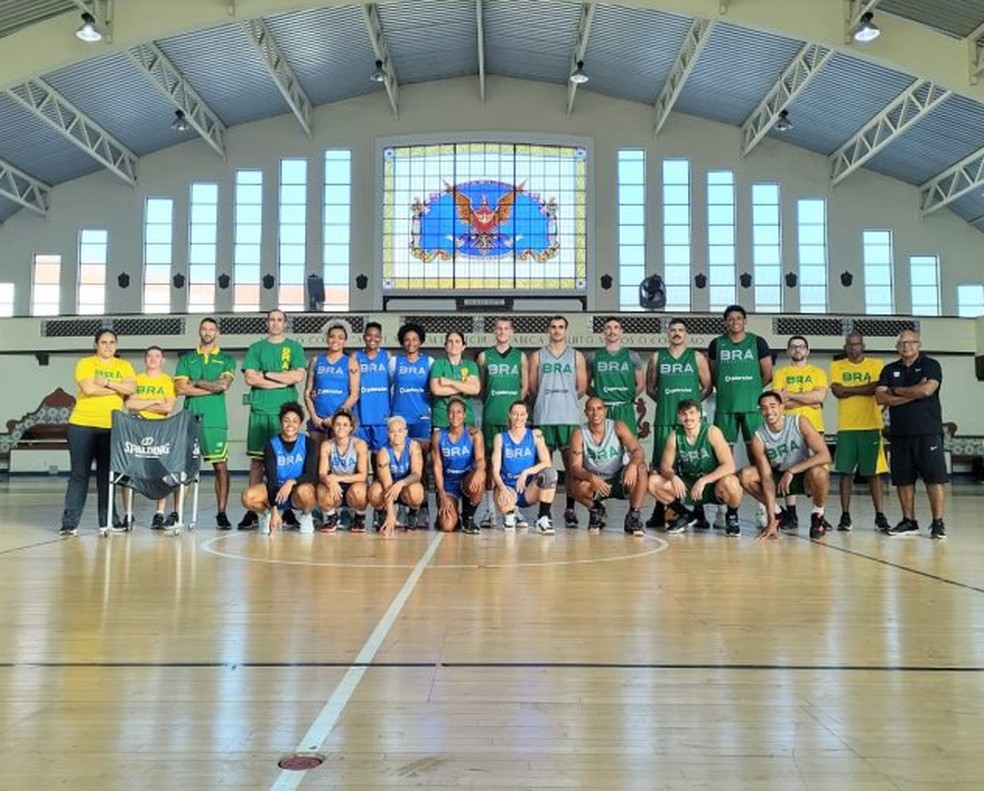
(332, 384)
(598, 468)
(558, 379)
(202, 377)
(273, 367)
(616, 376)
(504, 373)
(910, 388)
(673, 374)
(373, 404)
(802, 388)
(853, 380)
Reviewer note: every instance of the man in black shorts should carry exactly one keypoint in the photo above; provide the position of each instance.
(910, 388)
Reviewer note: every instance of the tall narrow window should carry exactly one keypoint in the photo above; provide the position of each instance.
(6, 299)
(46, 285)
(924, 273)
(158, 254)
(676, 233)
(93, 254)
(970, 300)
(721, 242)
(203, 231)
(766, 248)
(337, 228)
(248, 241)
(877, 253)
(631, 226)
(292, 249)
(811, 217)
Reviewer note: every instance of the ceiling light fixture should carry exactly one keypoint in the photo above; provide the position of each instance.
(180, 123)
(866, 30)
(88, 31)
(783, 124)
(578, 76)
(379, 73)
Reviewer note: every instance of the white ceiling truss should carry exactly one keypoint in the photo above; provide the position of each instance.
(55, 110)
(952, 183)
(580, 46)
(374, 26)
(279, 68)
(169, 81)
(23, 189)
(890, 123)
(693, 45)
(794, 78)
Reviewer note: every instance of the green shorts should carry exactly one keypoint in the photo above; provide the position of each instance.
(489, 433)
(260, 430)
(557, 437)
(731, 423)
(796, 486)
(618, 489)
(215, 447)
(626, 413)
(860, 451)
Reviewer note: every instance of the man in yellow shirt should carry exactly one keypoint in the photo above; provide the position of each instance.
(154, 400)
(802, 388)
(859, 427)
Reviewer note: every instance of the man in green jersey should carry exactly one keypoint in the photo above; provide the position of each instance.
(504, 376)
(616, 376)
(273, 367)
(202, 377)
(673, 374)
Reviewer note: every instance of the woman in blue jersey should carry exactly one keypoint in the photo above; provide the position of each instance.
(332, 383)
(399, 469)
(343, 470)
(458, 452)
(522, 472)
(291, 465)
(373, 405)
(409, 375)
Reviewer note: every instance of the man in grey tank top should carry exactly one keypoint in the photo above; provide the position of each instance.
(558, 378)
(789, 456)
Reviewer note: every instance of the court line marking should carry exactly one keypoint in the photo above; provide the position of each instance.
(326, 720)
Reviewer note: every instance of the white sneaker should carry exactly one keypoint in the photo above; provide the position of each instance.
(509, 521)
(761, 517)
(545, 526)
(307, 523)
(265, 518)
(521, 520)
(719, 520)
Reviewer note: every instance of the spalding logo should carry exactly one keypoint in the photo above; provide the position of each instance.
(146, 441)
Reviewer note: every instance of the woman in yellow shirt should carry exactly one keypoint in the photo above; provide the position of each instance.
(103, 382)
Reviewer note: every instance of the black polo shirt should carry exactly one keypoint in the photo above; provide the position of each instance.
(923, 416)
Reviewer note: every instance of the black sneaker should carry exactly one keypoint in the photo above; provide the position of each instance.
(249, 522)
(378, 517)
(290, 519)
(157, 523)
(906, 527)
(172, 519)
(330, 524)
(789, 520)
(412, 514)
(633, 524)
(731, 524)
(683, 520)
(881, 523)
(488, 521)
(358, 523)
(468, 526)
(595, 519)
(658, 519)
(570, 518)
(66, 532)
(845, 524)
(937, 530)
(818, 526)
(222, 521)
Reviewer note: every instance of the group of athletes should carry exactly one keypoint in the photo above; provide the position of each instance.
(381, 426)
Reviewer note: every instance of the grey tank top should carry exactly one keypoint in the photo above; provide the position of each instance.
(556, 396)
(786, 447)
(602, 458)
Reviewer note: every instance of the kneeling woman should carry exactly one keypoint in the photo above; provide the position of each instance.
(342, 473)
(291, 464)
(458, 452)
(399, 467)
(521, 471)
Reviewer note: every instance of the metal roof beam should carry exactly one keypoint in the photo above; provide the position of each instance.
(151, 60)
(370, 15)
(580, 46)
(975, 54)
(26, 190)
(45, 103)
(279, 68)
(853, 11)
(794, 78)
(480, 26)
(952, 183)
(693, 45)
(888, 125)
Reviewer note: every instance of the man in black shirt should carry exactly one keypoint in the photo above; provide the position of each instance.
(910, 388)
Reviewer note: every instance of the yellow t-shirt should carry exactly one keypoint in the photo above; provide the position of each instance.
(97, 411)
(151, 388)
(802, 380)
(857, 413)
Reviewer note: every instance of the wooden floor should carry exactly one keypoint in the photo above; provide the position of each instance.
(495, 661)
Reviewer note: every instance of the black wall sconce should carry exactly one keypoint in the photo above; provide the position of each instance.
(791, 280)
(606, 282)
(178, 281)
(224, 281)
(700, 280)
(846, 279)
(361, 282)
(745, 280)
(123, 280)
(268, 281)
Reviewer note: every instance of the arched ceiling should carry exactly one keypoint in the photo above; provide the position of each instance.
(908, 105)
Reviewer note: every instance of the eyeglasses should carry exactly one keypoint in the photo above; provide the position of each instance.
(907, 343)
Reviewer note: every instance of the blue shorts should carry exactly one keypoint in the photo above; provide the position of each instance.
(420, 431)
(374, 436)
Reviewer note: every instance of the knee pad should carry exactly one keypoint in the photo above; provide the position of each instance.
(547, 479)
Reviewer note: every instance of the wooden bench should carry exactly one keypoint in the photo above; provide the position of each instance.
(46, 428)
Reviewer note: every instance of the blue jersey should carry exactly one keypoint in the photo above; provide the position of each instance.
(399, 465)
(373, 406)
(411, 390)
(457, 459)
(290, 463)
(329, 384)
(517, 456)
